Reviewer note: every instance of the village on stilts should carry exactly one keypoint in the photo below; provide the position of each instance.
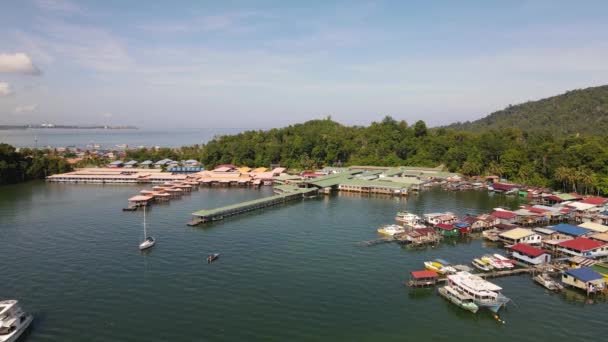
(559, 239)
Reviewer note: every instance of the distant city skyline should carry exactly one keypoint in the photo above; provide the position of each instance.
(269, 64)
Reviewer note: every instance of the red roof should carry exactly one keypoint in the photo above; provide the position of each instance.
(424, 274)
(523, 248)
(535, 210)
(445, 226)
(423, 231)
(502, 186)
(554, 198)
(503, 214)
(595, 200)
(581, 244)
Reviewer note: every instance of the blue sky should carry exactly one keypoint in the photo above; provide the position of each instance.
(260, 64)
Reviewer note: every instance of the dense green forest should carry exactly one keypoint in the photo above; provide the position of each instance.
(28, 164)
(572, 163)
(583, 111)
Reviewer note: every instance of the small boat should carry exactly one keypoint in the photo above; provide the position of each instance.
(480, 265)
(458, 297)
(506, 262)
(548, 283)
(391, 229)
(409, 219)
(211, 257)
(148, 240)
(439, 266)
(13, 320)
(488, 259)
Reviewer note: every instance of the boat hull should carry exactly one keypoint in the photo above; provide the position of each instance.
(146, 244)
(472, 307)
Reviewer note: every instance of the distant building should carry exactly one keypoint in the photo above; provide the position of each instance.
(146, 164)
(116, 164)
(130, 164)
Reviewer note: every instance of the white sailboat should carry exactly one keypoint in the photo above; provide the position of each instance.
(148, 240)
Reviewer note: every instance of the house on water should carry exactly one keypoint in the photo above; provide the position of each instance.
(447, 230)
(520, 235)
(585, 279)
(583, 247)
(529, 255)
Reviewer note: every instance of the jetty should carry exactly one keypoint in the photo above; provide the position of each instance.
(209, 215)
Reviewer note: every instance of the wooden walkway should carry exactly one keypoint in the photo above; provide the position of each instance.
(210, 215)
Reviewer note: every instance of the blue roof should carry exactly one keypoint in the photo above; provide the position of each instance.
(569, 229)
(585, 274)
(462, 225)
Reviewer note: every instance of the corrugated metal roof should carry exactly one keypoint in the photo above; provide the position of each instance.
(569, 229)
(600, 228)
(516, 233)
(585, 274)
(528, 250)
(582, 244)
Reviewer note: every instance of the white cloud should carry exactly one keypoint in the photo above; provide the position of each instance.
(26, 109)
(5, 89)
(17, 63)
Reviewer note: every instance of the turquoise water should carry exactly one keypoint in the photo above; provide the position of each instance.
(293, 272)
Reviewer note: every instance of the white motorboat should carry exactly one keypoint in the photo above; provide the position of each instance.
(148, 240)
(506, 262)
(409, 219)
(480, 265)
(13, 320)
(548, 283)
(492, 261)
(391, 229)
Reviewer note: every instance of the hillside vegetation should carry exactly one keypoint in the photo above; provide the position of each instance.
(583, 111)
(571, 163)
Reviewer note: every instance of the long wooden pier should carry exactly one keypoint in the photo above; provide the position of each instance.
(209, 215)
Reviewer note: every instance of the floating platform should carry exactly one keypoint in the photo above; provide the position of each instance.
(209, 215)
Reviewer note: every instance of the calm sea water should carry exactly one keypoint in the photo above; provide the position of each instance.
(110, 138)
(289, 273)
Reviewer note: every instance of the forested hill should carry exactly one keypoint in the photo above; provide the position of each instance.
(583, 111)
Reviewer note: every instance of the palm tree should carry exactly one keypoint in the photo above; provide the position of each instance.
(562, 174)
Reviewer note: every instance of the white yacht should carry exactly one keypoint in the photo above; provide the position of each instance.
(485, 294)
(13, 320)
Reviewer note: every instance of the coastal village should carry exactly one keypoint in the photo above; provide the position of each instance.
(560, 239)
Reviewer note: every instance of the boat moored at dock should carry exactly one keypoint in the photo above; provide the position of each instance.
(485, 294)
(409, 219)
(440, 266)
(545, 281)
(458, 297)
(391, 229)
(482, 266)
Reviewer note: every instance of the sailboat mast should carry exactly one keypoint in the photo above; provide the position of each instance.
(145, 233)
